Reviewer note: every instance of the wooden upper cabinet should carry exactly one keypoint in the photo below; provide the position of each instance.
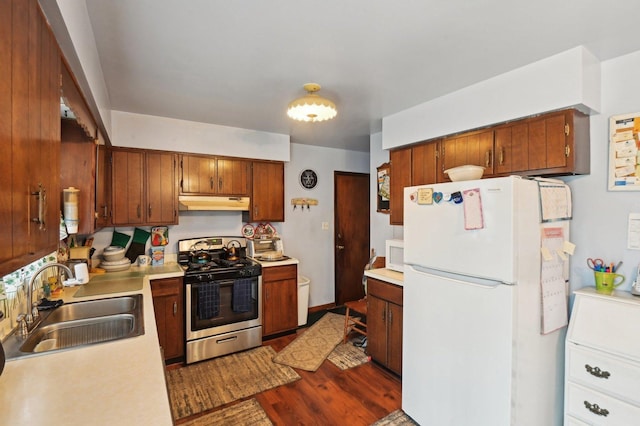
(128, 187)
(559, 143)
(144, 187)
(470, 148)
(29, 135)
(400, 177)
(424, 163)
(267, 193)
(102, 188)
(197, 175)
(161, 188)
(207, 175)
(511, 149)
(233, 176)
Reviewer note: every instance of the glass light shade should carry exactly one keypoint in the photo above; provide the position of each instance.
(312, 107)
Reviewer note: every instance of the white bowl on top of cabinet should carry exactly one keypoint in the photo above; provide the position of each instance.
(602, 368)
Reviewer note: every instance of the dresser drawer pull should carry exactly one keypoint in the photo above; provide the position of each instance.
(595, 409)
(595, 371)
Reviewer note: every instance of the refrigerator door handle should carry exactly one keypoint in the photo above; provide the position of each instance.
(464, 279)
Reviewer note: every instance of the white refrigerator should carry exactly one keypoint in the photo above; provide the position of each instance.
(473, 350)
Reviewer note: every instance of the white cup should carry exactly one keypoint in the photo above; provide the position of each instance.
(144, 260)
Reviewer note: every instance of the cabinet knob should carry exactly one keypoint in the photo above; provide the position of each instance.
(175, 308)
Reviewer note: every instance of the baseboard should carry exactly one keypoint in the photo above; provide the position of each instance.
(322, 307)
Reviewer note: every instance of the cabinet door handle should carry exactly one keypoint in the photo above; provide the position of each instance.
(175, 308)
(501, 156)
(595, 409)
(219, 184)
(595, 371)
(390, 317)
(105, 214)
(41, 195)
(211, 182)
(138, 211)
(384, 315)
(487, 158)
(149, 210)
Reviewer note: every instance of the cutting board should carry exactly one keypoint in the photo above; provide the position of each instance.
(103, 284)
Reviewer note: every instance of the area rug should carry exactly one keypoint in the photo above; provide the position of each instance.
(397, 418)
(247, 412)
(205, 385)
(311, 348)
(346, 356)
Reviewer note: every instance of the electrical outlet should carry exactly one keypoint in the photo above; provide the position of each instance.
(325, 226)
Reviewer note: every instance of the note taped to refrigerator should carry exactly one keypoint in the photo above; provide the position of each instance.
(552, 281)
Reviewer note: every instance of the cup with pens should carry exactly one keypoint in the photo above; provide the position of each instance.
(605, 275)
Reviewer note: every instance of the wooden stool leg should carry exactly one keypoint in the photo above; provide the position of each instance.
(346, 326)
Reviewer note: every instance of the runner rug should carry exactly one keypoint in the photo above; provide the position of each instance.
(311, 348)
(209, 384)
(247, 412)
(346, 356)
(397, 418)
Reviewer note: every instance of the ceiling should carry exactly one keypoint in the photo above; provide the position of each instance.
(239, 63)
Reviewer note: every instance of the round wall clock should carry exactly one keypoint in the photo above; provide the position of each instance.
(308, 179)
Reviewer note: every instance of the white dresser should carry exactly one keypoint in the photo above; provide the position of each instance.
(602, 366)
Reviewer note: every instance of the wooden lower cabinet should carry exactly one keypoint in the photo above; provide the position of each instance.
(168, 306)
(384, 324)
(279, 299)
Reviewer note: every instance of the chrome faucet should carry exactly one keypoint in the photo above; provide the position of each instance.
(32, 308)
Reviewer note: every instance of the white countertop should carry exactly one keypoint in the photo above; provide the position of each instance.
(113, 383)
(268, 264)
(387, 275)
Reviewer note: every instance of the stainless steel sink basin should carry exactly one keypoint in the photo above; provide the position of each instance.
(80, 324)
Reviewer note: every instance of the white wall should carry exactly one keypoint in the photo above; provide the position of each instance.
(599, 226)
(561, 81)
(381, 230)
(302, 231)
(151, 132)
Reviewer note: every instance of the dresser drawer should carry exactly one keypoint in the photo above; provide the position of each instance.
(609, 374)
(581, 402)
(572, 421)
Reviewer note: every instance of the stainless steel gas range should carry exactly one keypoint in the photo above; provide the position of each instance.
(223, 297)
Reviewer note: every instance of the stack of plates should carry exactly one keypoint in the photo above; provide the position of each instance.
(115, 265)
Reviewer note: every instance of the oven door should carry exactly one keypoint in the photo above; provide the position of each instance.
(222, 306)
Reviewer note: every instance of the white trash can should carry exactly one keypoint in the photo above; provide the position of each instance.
(303, 299)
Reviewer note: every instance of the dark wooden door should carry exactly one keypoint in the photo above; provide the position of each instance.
(351, 238)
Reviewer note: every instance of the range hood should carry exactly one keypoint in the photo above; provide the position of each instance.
(201, 202)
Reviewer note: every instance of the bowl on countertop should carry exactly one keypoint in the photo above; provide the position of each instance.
(466, 172)
(113, 253)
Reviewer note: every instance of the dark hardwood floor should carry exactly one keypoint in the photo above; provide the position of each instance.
(329, 396)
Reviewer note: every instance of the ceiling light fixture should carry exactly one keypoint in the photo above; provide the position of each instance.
(312, 107)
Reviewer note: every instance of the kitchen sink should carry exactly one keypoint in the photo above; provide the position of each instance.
(80, 324)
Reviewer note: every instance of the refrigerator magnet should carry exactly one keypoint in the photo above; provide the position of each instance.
(425, 196)
(473, 218)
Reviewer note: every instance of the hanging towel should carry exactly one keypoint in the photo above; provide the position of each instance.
(208, 300)
(241, 298)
